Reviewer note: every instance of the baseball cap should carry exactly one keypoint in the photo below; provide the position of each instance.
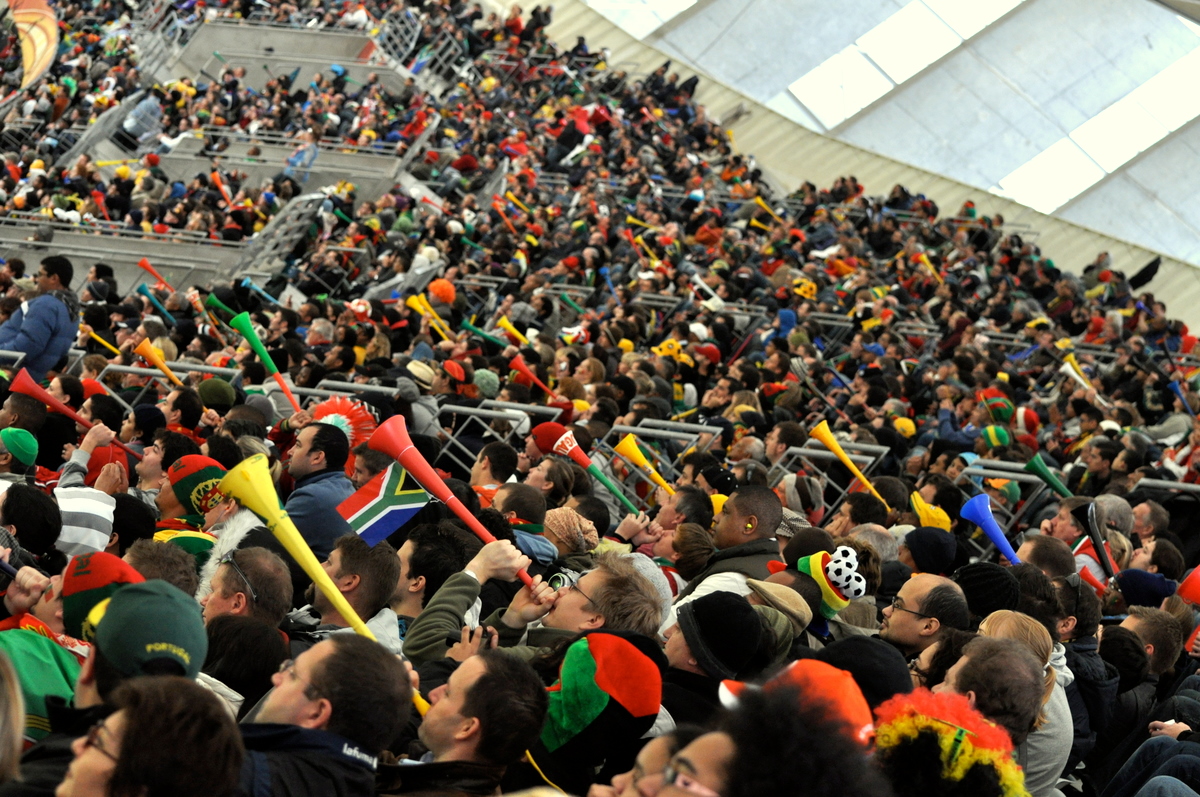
(146, 622)
(20, 443)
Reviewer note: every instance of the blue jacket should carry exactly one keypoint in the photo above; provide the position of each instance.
(44, 330)
(313, 507)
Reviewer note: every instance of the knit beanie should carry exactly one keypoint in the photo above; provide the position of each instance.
(20, 443)
(988, 587)
(265, 406)
(488, 383)
(149, 419)
(571, 529)
(99, 290)
(101, 456)
(722, 631)
(838, 577)
(995, 436)
(878, 668)
(1142, 588)
(194, 479)
(217, 394)
(1000, 408)
(89, 579)
(932, 549)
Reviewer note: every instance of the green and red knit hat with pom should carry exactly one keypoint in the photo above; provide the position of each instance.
(195, 480)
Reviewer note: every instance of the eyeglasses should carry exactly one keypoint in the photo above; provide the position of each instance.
(92, 739)
(289, 666)
(896, 607)
(588, 598)
(228, 559)
(685, 782)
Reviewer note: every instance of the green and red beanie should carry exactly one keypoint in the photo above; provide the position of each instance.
(609, 687)
(89, 579)
(195, 480)
(838, 577)
(1000, 408)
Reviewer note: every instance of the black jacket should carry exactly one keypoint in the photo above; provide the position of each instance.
(690, 698)
(44, 765)
(1091, 695)
(290, 761)
(446, 777)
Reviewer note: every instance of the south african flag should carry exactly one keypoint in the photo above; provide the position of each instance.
(382, 505)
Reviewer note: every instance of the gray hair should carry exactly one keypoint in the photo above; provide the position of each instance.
(878, 538)
(1119, 514)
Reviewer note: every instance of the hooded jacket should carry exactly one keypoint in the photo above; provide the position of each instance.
(750, 559)
(297, 762)
(304, 629)
(1044, 753)
(44, 328)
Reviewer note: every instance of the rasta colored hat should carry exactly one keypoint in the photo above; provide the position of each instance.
(89, 579)
(195, 479)
(965, 739)
(1000, 408)
(722, 632)
(932, 549)
(837, 575)
(145, 622)
(995, 436)
(928, 514)
(20, 443)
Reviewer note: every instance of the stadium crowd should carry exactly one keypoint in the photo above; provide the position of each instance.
(761, 622)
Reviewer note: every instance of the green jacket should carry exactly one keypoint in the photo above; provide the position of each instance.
(445, 615)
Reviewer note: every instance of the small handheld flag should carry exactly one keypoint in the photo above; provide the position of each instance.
(382, 505)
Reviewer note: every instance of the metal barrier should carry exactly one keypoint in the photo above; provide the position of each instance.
(267, 251)
(354, 387)
(475, 423)
(103, 129)
(17, 357)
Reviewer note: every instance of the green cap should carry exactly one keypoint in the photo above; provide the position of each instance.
(148, 621)
(20, 443)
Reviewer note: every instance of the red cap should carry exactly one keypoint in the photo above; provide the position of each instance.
(91, 388)
(455, 370)
(152, 158)
(710, 351)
